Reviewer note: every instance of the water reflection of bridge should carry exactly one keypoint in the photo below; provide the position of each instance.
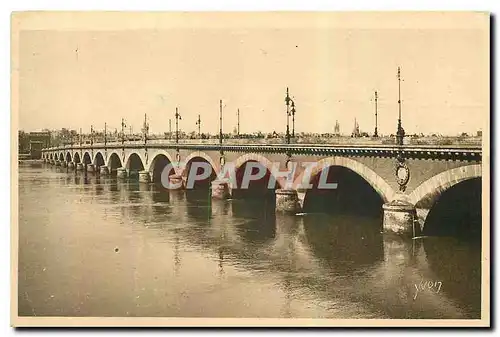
(332, 257)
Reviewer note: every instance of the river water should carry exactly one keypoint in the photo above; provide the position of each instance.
(93, 246)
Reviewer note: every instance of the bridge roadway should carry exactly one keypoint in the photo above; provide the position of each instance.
(408, 179)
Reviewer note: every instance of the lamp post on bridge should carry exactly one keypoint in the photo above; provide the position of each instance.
(91, 148)
(144, 175)
(238, 125)
(145, 130)
(220, 126)
(123, 132)
(177, 117)
(293, 118)
(79, 166)
(401, 132)
(198, 122)
(287, 101)
(103, 170)
(169, 128)
(376, 115)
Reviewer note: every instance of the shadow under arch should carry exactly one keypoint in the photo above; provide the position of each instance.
(114, 163)
(86, 158)
(76, 158)
(383, 189)
(457, 264)
(256, 220)
(134, 165)
(255, 189)
(99, 160)
(344, 243)
(189, 172)
(198, 205)
(161, 201)
(457, 212)
(68, 157)
(353, 194)
(158, 164)
(61, 157)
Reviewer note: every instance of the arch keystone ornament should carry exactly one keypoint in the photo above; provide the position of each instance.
(402, 174)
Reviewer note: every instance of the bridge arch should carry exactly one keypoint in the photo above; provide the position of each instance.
(157, 164)
(134, 162)
(383, 189)
(68, 156)
(99, 159)
(199, 157)
(259, 186)
(87, 159)
(76, 158)
(426, 194)
(114, 162)
(202, 155)
(61, 157)
(449, 204)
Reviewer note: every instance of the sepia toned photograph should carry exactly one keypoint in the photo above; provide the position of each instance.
(250, 169)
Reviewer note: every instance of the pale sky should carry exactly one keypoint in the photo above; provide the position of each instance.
(75, 77)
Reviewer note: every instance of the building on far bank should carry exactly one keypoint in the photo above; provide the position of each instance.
(32, 143)
(336, 130)
(42, 136)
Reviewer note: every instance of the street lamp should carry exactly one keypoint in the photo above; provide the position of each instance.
(220, 128)
(238, 129)
(177, 117)
(198, 122)
(293, 118)
(145, 129)
(123, 131)
(376, 115)
(287, 101)
(91, 135)
(401, 132)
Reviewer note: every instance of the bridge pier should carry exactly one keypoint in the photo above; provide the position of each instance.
(287, 201)
(176, 181)
(144, 177)
(64, 164)
(71, 165)
(79, 167)
(90, 168)
(400, 218)
(58, 163)
(121, 173)
(220, 189)
(103, 170)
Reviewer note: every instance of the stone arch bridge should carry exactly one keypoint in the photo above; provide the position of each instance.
(408, 179)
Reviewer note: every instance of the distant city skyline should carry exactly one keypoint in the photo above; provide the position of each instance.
(75, 78)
